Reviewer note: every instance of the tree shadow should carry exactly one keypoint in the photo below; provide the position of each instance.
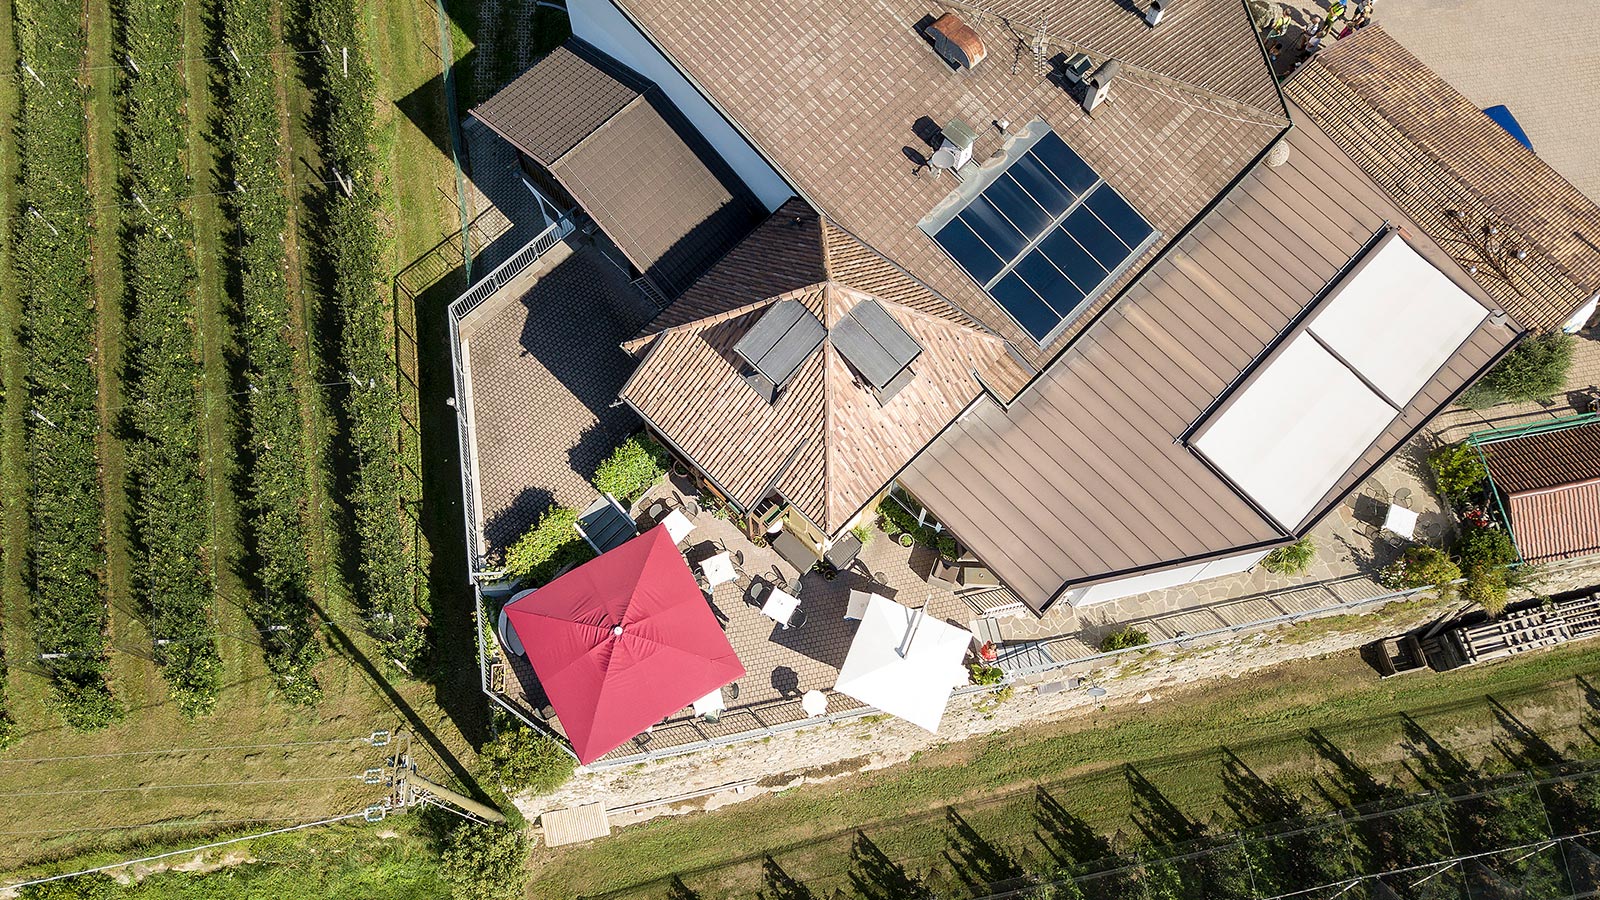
(1521, 746)
(1254, 800)
(677, 890)
(1158, 818)
(982, 866)
(877, 877)
(1432, 763)
(780, 885)
(1071, 841)
(1350, 783)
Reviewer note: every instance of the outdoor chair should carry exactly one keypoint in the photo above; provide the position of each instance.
(942, 574)
(796, 620)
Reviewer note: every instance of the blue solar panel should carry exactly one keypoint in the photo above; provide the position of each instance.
(1046, 235)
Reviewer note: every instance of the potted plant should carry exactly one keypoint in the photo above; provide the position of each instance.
(907, 539)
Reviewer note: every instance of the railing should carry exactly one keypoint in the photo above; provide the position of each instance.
(502, 275)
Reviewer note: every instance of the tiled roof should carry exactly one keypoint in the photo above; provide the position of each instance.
(1085, 478)
(629, 160)
(1432, 150)
(1560, 523)
(845, 102)
(1545, 459)
(826, 444)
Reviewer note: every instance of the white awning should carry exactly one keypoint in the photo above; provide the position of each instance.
(1303, 419)
(1397, 319)
(1295, 429)
(904, 662)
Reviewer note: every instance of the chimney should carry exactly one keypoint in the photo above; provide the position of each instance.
(1100, 84)
(956, 42)
(1157, 9)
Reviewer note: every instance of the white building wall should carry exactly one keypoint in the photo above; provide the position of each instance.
(603, 25)
(1155, 581)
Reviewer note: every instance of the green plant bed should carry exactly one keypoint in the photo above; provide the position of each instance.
(547, 547)
(1123, 639)
(1458, 471)
(1294, 559)
(1535, 371)
(1421, 566)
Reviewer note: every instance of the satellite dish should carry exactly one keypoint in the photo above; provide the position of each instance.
(944, 158)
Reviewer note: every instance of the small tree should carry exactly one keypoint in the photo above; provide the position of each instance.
(1294, 559)
(524, 760)
(1419, 567)
(1124, 638)
(1457, 470)
(1535, 370)
(486, 862)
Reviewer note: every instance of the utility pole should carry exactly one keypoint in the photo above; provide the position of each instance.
(407, 788)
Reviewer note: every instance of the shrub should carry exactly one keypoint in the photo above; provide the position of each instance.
(1294, 559)
(1488, 587)
(636, 465)
(486, 862)
(94, 886)
(1421, 566)
(864, 533)
(986, 674)
(1457, 470)
(546, 547)
(895, 520)
(522, 759)
(1535, 370)
(1484, 546)
(1124, 638)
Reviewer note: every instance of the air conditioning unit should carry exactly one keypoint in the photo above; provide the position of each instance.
(955, 149)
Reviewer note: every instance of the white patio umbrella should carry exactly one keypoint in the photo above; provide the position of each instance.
(904, 662)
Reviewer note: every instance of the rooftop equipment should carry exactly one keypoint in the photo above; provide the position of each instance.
(877, 347)
(1100, 84)
(956, 42)
(1158, 8)
(955, 150)
(777, 344)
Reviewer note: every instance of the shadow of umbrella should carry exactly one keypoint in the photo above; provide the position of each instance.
(786, 681)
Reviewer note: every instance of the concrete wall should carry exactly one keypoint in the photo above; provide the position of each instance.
(603, 25)
(1155, 581)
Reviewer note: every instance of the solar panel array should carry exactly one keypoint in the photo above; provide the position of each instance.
(778, 343)
(1045, 236)
(874, 343)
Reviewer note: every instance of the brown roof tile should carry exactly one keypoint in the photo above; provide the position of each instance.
(826, 444)
(628, 158)
(1432, 150)
(1559, 523)
(1084, 478)
(841, 105)
(1545, 460)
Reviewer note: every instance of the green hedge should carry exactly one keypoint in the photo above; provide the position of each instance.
(636, 465)
(521, 759)
(279, 476)
(390, 587)
(66, 518)
(1421, 566)
(1123, 639)
(166, 478)
(486, 862)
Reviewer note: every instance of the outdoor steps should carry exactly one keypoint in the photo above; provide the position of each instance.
(1024, 656)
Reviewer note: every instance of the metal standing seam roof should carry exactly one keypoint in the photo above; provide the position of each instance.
(628, 158)
(1084, 477)
(841, 106)
(1432, 150)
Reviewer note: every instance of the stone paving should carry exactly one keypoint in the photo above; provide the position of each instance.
(1582, 388)
(543, 365)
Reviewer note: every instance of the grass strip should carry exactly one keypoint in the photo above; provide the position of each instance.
(166, 480)
(51, 246)
(277, 457)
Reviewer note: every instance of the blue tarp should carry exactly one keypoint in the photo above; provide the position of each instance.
(1506, 120)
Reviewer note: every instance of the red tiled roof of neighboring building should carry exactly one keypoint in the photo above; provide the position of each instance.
(844, 103)
(1545, 459)
(1559, 523)
(1433, 150)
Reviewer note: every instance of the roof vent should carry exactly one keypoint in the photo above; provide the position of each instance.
(1158, 8)
(956, 42)
(955, 150)
(1100, 84)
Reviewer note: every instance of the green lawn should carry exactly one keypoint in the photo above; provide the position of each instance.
(1293, 725)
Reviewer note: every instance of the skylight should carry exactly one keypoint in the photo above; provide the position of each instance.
(777, 344)
(1044, 235)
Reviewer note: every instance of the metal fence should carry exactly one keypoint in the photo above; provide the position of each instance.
(474, 297)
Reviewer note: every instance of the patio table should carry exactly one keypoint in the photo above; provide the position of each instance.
(678, 525)
(780, 606)
(719, 569)
(1401, 521)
